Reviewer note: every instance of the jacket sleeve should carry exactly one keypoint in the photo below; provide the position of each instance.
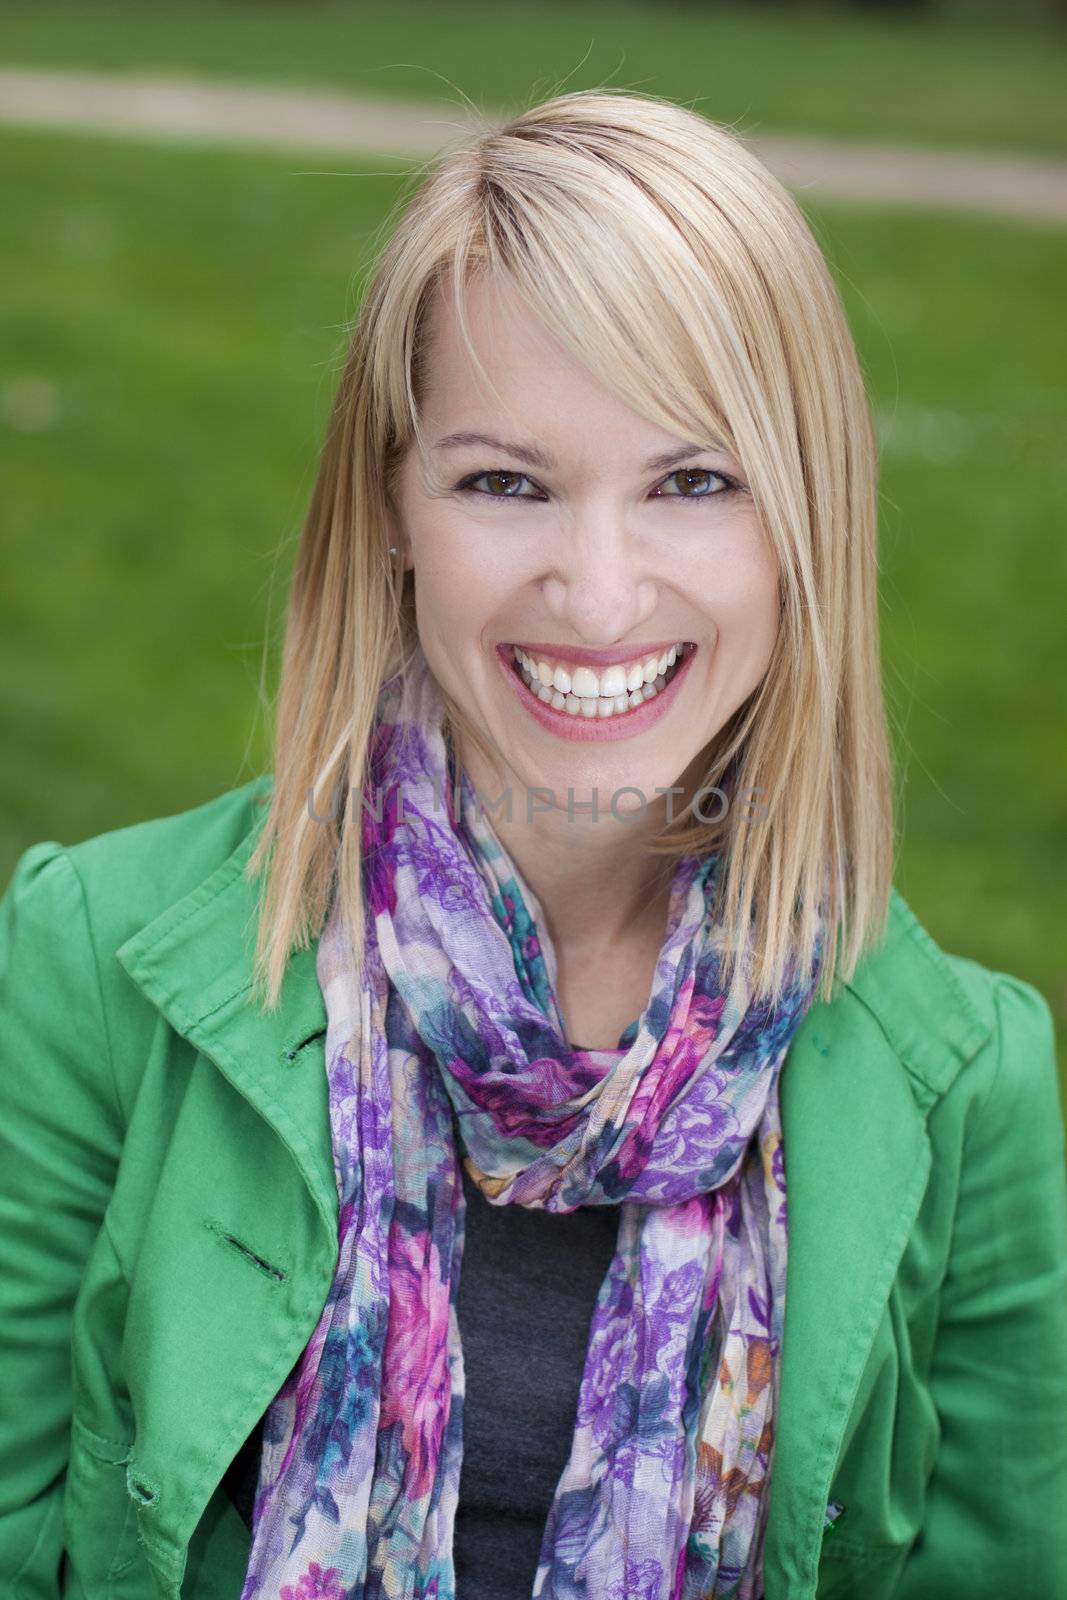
(996, 1510)
(60, 1136)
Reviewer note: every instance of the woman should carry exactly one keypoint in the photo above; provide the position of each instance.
(560, 934)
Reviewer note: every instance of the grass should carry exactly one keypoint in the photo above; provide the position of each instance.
(980, 81)
(174, 323)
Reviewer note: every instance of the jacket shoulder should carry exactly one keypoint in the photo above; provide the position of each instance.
(68, 908)
(950, 1020)
(93, 895)
(131, 874)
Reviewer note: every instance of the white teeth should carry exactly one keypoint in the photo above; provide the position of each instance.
(582, 692)
(584, 684)
(613, 682)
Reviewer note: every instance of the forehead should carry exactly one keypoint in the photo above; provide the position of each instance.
(531, 388)
(526, 367)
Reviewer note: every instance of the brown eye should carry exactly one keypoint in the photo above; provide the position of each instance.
(694, 483)
(502, 485)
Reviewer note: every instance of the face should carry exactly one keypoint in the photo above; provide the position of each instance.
(597, 595)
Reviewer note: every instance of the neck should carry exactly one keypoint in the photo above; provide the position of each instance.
(599, 887)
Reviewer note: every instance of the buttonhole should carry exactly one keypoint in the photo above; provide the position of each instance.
(144, 1493)
(291, 1055)
(250, 1255)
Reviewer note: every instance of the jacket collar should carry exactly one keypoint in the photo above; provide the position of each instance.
(860, 1078)
(194, 962)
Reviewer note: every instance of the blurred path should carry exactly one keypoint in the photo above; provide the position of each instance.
(292, 119)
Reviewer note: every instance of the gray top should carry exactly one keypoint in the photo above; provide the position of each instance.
(527, 1287)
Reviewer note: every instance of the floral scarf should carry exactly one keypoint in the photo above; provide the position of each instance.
(454, 1048)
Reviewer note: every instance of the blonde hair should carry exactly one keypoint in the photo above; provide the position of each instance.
(678, 269)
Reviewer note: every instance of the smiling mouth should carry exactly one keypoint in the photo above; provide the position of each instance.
(610, 695)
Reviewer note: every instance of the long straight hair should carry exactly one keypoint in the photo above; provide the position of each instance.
(668, 259)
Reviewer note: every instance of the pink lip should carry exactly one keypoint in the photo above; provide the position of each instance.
(593, 658)
(593, 729)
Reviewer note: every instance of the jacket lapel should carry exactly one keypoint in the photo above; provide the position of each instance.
(860, 1078)
(194, 962)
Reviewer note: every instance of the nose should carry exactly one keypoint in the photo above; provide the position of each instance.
(598, 586)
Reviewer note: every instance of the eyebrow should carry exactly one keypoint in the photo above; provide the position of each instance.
(538, 458)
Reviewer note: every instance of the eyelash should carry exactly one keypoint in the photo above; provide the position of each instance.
(466, 485)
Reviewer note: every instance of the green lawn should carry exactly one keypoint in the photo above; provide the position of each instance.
(979, 81)
(173, 324)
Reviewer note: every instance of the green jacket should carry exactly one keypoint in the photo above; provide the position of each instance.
(169, 1236)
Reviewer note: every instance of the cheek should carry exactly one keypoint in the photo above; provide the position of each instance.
(459, 583)
(750, 612)
(742, 589)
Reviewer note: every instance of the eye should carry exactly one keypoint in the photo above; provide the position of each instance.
(700, 489)
(694, 483)
(504, 485)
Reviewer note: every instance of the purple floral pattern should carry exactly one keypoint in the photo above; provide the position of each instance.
(454, 1048)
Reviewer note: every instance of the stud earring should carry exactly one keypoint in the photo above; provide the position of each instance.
(392, 550)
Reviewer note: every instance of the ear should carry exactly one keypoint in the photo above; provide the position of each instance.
(395, 542)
